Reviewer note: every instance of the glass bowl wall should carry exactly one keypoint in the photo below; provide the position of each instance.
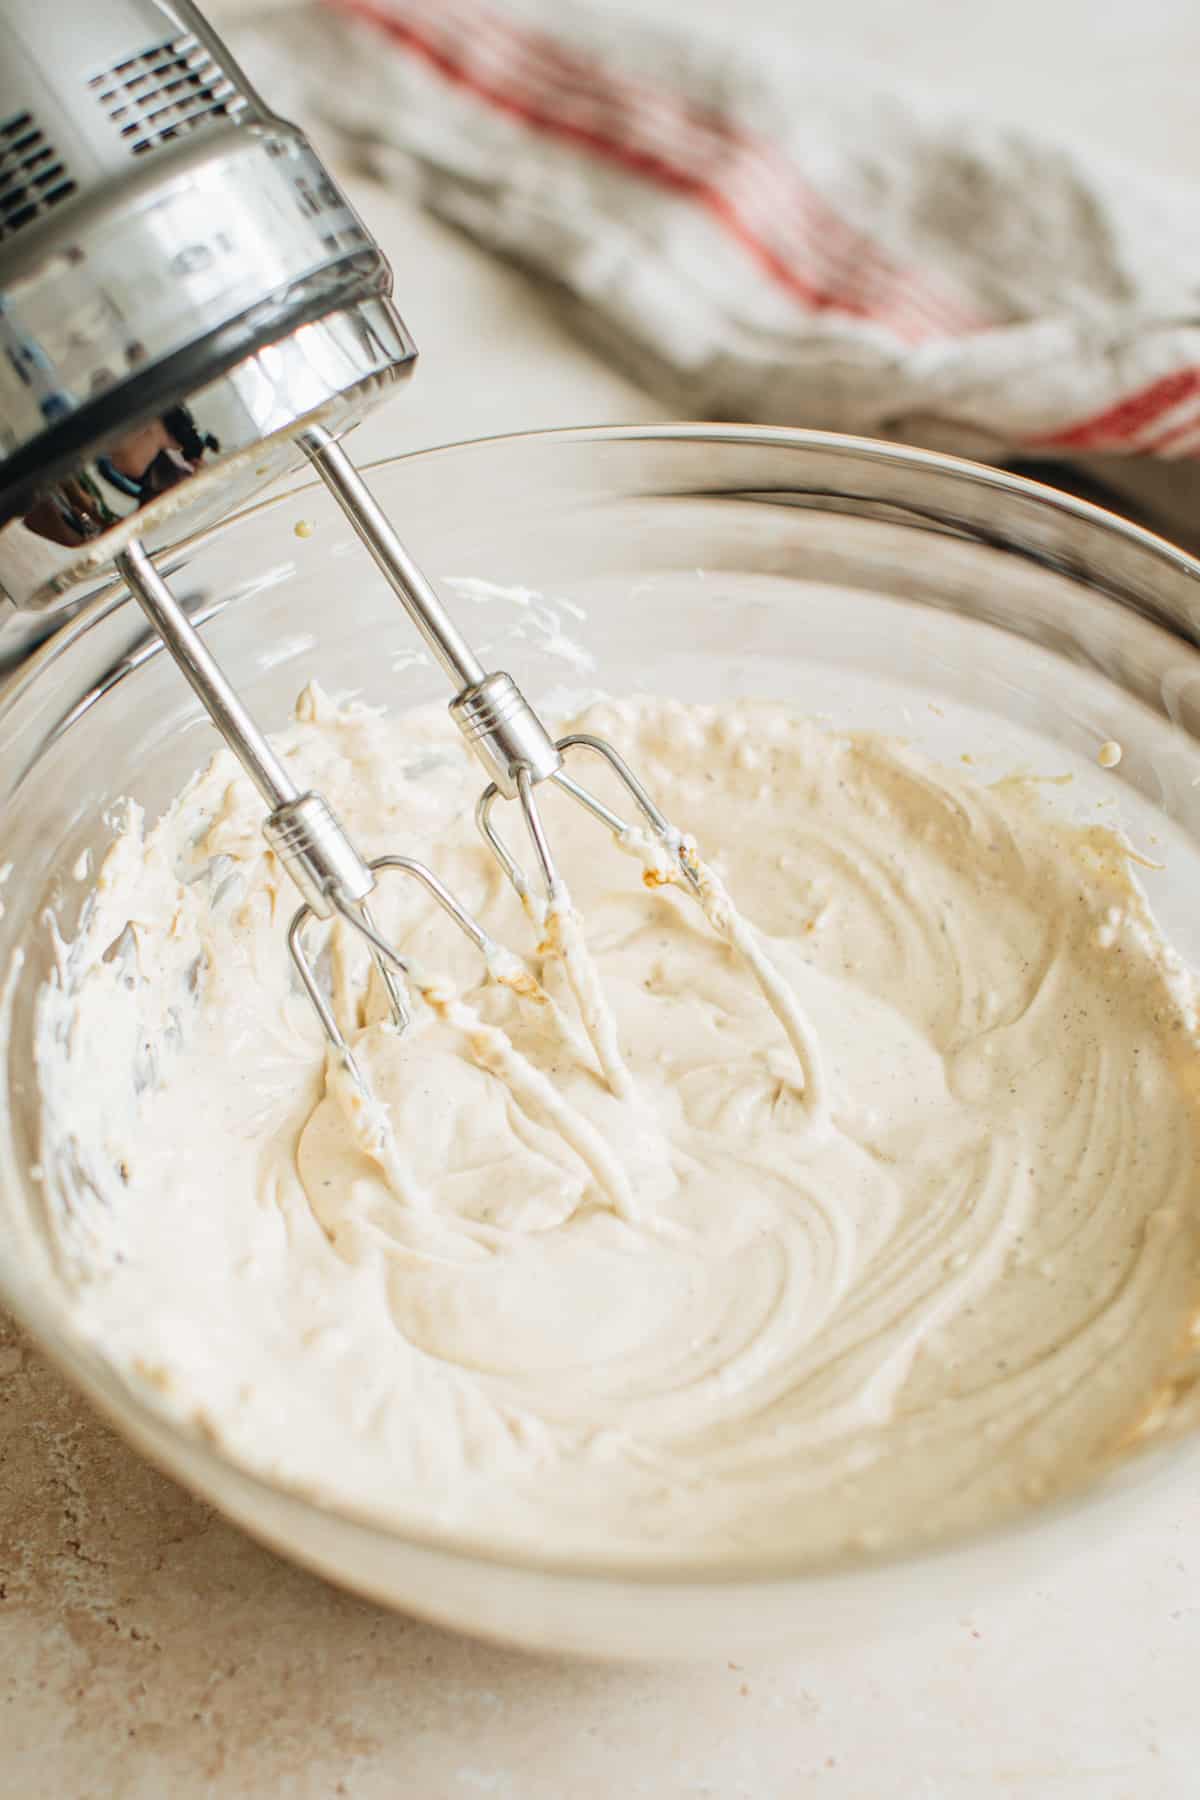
(877, 586)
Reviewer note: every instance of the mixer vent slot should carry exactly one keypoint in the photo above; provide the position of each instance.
(32, 175)
(165, 93)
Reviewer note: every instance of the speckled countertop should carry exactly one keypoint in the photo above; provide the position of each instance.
(149, 1651)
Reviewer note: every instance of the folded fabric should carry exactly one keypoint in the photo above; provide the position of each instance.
(756, 234)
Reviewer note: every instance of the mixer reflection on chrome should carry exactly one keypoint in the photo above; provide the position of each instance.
(189, 308)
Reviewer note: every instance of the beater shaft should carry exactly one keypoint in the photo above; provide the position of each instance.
(208, 680)
(489, 709)
(406, 580)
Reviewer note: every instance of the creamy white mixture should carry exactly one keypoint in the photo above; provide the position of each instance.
(927, 1254)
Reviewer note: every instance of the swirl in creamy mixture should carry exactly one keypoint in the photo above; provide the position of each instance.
(872, 1253)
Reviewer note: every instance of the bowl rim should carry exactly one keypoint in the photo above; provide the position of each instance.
(115, 1398)
(883, 451)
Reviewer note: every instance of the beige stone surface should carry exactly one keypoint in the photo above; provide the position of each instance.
(148, 1650)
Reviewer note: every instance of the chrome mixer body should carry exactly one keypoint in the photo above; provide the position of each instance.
(189, 309)
(182, 288)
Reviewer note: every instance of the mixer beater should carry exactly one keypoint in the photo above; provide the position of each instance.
(491, 712)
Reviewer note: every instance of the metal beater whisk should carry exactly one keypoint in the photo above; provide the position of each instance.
(493, 715)
(334, 880)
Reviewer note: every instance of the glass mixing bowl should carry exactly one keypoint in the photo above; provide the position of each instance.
(970, 611)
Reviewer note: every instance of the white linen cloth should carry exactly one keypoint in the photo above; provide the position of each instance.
(756, 234)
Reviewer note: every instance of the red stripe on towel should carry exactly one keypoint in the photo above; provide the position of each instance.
(1125, 426)
(763, 204)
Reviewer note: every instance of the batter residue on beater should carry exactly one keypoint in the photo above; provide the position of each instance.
(722, 1313)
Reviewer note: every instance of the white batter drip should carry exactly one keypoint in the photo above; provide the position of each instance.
(931, 1257)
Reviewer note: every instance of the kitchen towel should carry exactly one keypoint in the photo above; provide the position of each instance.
(754, 233)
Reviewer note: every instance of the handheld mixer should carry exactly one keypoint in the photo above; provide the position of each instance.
(189, 308)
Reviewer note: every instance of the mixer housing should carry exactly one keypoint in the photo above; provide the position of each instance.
(183, 290)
